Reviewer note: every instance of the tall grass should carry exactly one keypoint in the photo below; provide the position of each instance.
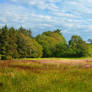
(36, 77)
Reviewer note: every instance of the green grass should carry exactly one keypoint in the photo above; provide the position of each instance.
(54, 58)
(36, 77)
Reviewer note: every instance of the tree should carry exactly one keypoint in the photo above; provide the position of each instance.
(78, 46)
(89, 49)
(12, 47)
(25, 31)
(8, 46)
(4, 41)
(18, 43)
(48, 44)
(58, 31)
(28, 47)
(49, 41)
(90, 40)
(61, 50)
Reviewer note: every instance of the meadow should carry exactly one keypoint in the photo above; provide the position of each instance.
(33, 76)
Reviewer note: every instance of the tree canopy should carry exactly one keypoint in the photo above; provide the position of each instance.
(78, 46)
(90, 40)
(49, 41)
(19, 43)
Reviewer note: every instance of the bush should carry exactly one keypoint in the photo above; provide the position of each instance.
(6, 57)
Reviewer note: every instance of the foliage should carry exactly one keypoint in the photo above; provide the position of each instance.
(12, 47)
(77, 46)
(6, 57)
(4, 40)
(25, 31)
(90, 40)
(28, 47)
(19, 43)
(61, 50)
(49, 41)
(89, 50)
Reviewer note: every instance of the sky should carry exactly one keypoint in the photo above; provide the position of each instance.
(73, 17)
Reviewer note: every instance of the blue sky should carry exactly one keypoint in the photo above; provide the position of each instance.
(74, 17)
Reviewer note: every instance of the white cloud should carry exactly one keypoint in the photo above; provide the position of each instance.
(73, 16)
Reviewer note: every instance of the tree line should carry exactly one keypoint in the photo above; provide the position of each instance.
(19, 43)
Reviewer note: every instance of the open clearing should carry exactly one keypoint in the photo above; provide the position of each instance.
(46, 75)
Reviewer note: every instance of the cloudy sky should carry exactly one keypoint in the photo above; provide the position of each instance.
(72, 16)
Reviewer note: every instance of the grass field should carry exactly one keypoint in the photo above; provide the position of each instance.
(55, 58)
(31, 76)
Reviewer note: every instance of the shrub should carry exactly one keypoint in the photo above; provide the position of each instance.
(4, 57)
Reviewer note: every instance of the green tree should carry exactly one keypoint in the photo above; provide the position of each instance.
(78, 46)
(48, 44)
(61, 50)
(90, 40)
(4, 41)
(25, 31)
(28, 47)
(12, 47)
(58, 31)
(89, 49)
(49, 41)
